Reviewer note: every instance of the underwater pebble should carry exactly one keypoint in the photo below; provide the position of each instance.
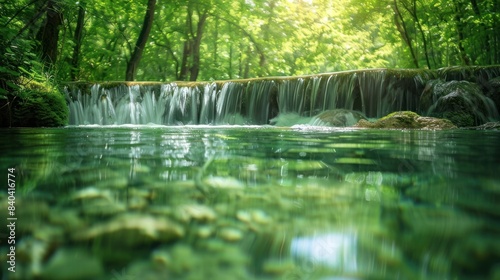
(261, 217)
(133, 229)
(204, 231)
(255, 216)
(161, 257)
(230, 234)
(244, 216)
(90, 193)
(198, 212)
(102, 207)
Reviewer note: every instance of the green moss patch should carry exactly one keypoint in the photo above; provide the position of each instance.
(34, 105)
(407, 120)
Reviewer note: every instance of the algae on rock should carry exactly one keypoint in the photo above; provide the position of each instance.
(36, 104)
(407, 120)
(462, 102)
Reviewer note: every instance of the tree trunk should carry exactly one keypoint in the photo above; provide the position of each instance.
(141, 42)
(460, 33)
(485, 40)
(422, 33)
(186, 53)
(195, 67)
(401, 26)
(48, 35)
(75, 59)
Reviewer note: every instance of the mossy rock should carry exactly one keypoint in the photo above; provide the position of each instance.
(462, 102)
(407, 120)
(35, 105)
(493, 91)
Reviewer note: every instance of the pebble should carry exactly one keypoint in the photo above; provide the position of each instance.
(230, 234)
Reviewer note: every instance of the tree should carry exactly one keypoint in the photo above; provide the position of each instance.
(141, 41)
(75, 59)
(48, 34)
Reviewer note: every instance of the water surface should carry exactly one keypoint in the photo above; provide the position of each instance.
(252, 202)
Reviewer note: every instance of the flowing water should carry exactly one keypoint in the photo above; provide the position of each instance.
(251, 202)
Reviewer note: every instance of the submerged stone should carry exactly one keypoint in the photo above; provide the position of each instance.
(493, 91)
(197, 212)
(230, 234)
(407, 120)
(133, 229)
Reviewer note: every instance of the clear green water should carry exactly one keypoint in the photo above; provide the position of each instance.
(252, 203)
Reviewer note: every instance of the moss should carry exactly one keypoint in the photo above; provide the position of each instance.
(407, 120)
(36, 104)
(404, 119)
(461, 102)
(460, 119)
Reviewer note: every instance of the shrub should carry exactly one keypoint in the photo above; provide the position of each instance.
(35, 104)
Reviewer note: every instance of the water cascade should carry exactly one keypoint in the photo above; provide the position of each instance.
(374, 92)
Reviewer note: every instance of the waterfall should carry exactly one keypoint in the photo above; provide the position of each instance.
(373, 92)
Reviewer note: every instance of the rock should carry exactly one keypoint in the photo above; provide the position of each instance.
(102, 206)
(337, 118)
(462, 102)
(204, 231)
(429, 123)
(407, 120)
(230, 234)
(197, 212)
(133, 229)
(257, 216)
(488, 126)
(90, 193)
(493, 91)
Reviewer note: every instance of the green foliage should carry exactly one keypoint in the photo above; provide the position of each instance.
(35, 104)
(252, 38)
(28, 95)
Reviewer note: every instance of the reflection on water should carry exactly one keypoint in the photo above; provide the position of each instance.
(335, 250)
(194, 202)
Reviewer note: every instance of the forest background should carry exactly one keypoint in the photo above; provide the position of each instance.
(158, 40)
